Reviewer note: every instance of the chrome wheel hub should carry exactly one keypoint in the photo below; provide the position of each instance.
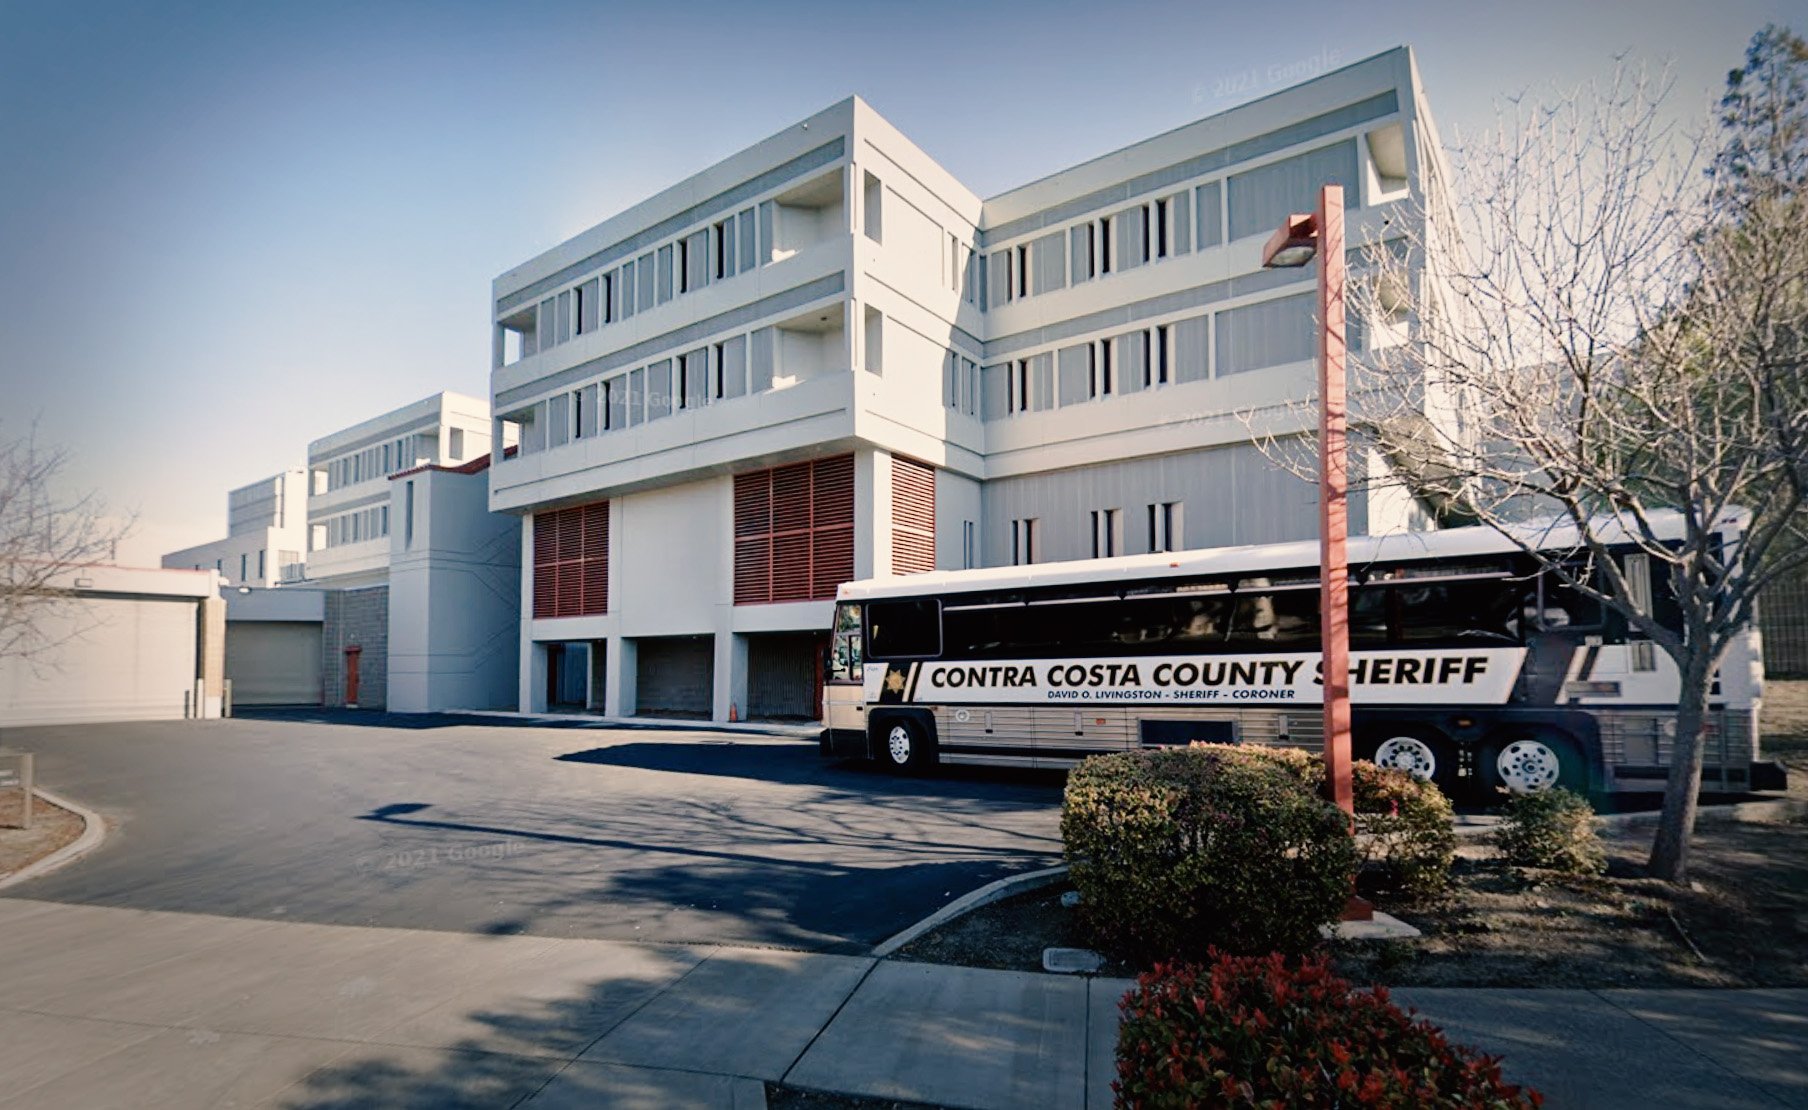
(898, 743)
(1409, 754)
(1528, 766)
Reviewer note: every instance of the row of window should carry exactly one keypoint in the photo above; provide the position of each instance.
(721, 250)
(1165, 521)
(382, 459)
(1251, 337)
(734, 367)
(353, 527)
(1233, 341)
(1230, 208)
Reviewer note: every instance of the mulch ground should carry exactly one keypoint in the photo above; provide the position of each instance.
(51, 828)
(1741, 922)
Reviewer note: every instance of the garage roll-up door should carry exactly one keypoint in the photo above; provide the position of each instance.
(117, 659)
(274, 662)
(675, 676)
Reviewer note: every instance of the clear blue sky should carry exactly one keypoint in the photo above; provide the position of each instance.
(227, 229)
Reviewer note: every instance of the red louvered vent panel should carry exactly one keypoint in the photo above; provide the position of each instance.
(594, 573)
(791, 498)
(833, 491)
(791, 567)
(832, 560)
(545, 579)
(794, 531)
(753, 571)
(544, 549)
(571, 561)
(753, 504)
(912, 516)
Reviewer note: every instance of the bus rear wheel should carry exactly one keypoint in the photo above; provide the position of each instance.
(1531, 762)
(903, 748)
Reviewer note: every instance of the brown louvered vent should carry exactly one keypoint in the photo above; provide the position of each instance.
(571, 561)
(794, 531)
(912, 516)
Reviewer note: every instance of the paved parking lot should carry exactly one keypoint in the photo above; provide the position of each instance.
(468, 825)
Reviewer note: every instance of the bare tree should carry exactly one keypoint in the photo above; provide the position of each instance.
(45, 537)
(1604, 328)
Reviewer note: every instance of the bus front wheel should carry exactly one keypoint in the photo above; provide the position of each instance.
(903, 748)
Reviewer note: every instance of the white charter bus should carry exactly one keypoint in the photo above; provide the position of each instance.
(1469, 667)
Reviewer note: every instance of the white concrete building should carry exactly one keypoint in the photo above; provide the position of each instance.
(825, 358)
(266, 534)
(348, 474)
(126, 644)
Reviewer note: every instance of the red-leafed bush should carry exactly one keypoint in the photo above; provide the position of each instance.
(1258, 1031)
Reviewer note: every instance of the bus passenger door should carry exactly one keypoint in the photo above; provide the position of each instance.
(844, 688)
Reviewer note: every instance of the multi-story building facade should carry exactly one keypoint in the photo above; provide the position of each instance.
(348, 510)
(825, 358)
(266, 531)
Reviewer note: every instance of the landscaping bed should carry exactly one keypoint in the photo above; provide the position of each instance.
(1741, 922)
(52, 827)
(1747, 911)
(1009, 934)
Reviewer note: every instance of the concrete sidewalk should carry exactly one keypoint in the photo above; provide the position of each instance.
(111, 1007)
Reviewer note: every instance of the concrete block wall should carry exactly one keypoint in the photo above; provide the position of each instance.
(357, 618)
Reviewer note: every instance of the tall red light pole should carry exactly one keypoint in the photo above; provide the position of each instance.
(1295, 244)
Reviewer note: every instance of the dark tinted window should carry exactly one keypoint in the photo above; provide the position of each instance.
(1093, 627)
(1275, 619)
(1457, 613)
(910, 629)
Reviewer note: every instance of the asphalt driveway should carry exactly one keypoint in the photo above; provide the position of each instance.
(468, 825)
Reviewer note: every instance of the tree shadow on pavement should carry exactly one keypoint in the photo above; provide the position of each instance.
(511, 1047)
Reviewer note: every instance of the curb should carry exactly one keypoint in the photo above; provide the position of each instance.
(991, 892)
(1767, 812)
(94, 830)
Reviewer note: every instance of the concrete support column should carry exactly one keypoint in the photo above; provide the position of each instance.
(533, 657)
(619, 697)
(533, 677)
(212, 656)
(865, 512)
(730, 676)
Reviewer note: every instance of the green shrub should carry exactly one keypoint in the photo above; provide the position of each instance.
(1552, 829)
(1407, 836)
(1248, 1032)
(1175, 850)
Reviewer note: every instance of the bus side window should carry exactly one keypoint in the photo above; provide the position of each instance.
(1368, 617)
(1287, 617)
(1564, 608)
(909, 628)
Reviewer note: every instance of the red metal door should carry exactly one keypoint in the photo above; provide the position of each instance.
(351, 676)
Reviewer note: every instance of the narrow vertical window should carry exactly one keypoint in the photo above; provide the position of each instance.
(1161, 228)
(1105, 364)
(1023, 271)
(1161, 353)
(408, 516)
(1105, 245)
(967, 545)
(873, 201)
